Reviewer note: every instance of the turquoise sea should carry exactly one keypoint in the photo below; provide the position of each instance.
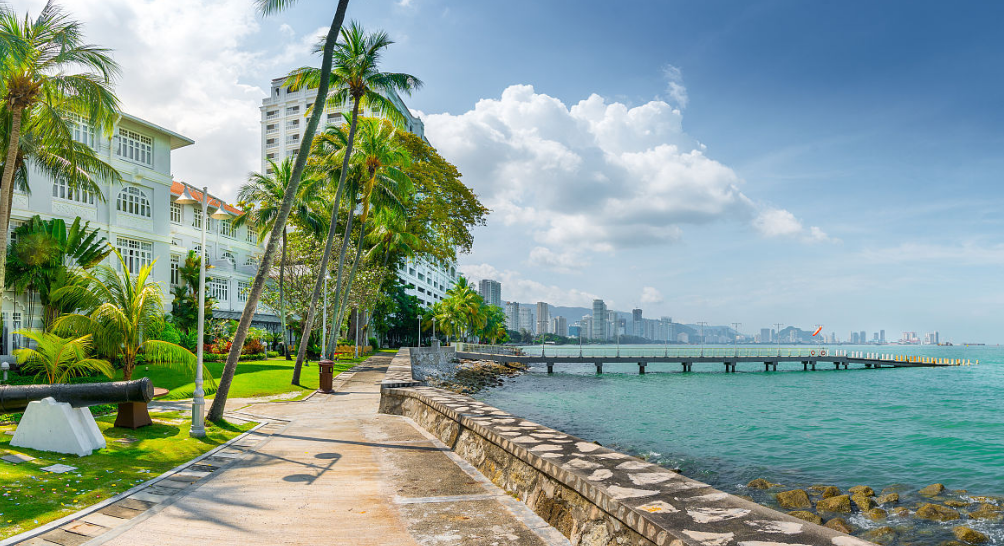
(904, 428)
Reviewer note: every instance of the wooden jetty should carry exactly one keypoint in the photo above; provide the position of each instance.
(686, 358)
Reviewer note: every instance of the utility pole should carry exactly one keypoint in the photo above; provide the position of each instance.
(703, 324)
(778, 338)
(735, 344)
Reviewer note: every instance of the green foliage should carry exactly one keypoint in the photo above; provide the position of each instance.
(464, 315)
(396, 316)
(58, 359)
(185, 308)
(170, 334)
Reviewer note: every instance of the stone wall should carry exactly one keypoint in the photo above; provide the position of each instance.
(593, 495)
(430, 362)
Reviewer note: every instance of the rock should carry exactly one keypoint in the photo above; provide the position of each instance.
(937, 512)
(971, 536)
(864, 503)
(761, 483)
(932, 490)
(952, 543)
(888, 498)
(901, 511)
(796, 498)
(876, 514)
(839, 525)
(882, 535)
(840, 503)
(862, 490)
(956, 503)
(987, 511)
(830, 491)
(807, 516)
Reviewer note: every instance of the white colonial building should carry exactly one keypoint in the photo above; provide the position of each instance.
(283, 121)
(139, 217)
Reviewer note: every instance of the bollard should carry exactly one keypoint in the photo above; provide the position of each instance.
(327, 370)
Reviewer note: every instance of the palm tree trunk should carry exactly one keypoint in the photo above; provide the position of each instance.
(282, 301)
(308, 322)
(348, 284)
(7, 190)
(223, 387)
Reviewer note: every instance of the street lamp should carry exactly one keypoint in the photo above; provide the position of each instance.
(778, 338)
(735, 343)
(198, 429)
(324, 319)
(703, 324)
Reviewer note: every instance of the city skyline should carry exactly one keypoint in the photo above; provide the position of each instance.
(697, 155)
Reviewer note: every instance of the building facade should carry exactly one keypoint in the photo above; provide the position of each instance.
(491, 292)
(599, 326)
(543, 318)
(559, 326)
(512, 316)
(526, 320)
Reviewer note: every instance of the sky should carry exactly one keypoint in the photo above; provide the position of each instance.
(832, 163)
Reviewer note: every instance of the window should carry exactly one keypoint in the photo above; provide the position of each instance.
(175, 213)
(292, 110)
(197, 248)
(133, 200)
(218, 289)
(252, 237)
(80, 130)
(135, 254)
(175, 265)
(229, 256)
(197, 221)
(292, 139)
(293, 124)
(271, 114)
(334, 117)
(270, 128)
(213, 222)
(270, 142)
(15, 339)
(243, 288)
(227, 229)
(270, 155)
(62, 190)
(134, 147)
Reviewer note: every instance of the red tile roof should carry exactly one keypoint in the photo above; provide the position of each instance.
(177, 188)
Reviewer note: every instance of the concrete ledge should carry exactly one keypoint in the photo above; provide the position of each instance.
(591, 494)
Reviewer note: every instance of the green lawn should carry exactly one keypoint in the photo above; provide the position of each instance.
(30, 497)
(253, 378)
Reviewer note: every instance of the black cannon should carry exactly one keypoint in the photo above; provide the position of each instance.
(15, 398)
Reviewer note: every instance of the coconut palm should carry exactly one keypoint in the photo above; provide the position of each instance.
(262, 194)
(48, 73)
(57, 359)
(268, 7)
(390, 237)
(357, 80)
(121, 310)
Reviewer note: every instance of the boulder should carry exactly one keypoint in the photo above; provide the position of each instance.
(882, 535)
(864, 503)
(937, 512)
(968, 535)
(830, 491)
(862, 490)
(987, 511)
(761, 483)
(840, 503)
(807, 516)
(876, 514)
(956, 503)
(839, 525)
(932, 490)
(901, 511)
(888, 498)
(796, 498)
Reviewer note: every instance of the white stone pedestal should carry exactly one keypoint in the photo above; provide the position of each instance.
(48, 425)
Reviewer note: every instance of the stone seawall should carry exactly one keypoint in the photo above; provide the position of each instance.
(591, 494)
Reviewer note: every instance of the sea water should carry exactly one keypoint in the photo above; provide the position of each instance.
(903, 427)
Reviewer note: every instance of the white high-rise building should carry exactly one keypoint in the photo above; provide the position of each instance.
(599, 326)
(559, 326)
(526, 320)
(512, 315)
(491, 292)
(543, 318)
(283, 122)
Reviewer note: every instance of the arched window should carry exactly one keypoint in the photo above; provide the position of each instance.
(133, 200)
(229, 256)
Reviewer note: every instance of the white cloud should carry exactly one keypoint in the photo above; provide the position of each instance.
(517, 288)
(650, 294)
(596, 176)
(675, 87)
(565, 262)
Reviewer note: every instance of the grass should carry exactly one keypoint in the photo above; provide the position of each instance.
(253, 378)
(30, 497)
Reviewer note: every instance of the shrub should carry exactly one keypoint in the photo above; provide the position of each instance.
(253, 347)
(220, 346)
(374, 343)
(171, 334)
(214, 357)
(272, 354)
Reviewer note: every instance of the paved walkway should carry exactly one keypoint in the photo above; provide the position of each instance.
(338, 473)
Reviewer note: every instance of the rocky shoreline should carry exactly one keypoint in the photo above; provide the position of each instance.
(473, 376)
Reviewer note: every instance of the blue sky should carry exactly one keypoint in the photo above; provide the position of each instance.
(778, 161)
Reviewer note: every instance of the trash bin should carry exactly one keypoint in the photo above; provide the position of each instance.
(327, 368)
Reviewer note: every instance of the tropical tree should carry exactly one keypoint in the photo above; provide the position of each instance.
(185, 307)
(390, 237)
(356, 79)
(121, 310)
(261, 195)
(44, 256)
(465, 304)
(267, 7)
(57, 359)
(47, 75)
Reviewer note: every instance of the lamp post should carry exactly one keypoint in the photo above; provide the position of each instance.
(778, 338)
(703, 324)
(198, 429)
(419, 330)
(735, 343)
(324, 318)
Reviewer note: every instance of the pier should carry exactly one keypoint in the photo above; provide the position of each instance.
(641, 357)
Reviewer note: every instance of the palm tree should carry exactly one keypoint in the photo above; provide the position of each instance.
(41, 89)
(121, 311)
(358, 81)
(267, 7)
(390, 237)
(262, 194)
(59, 359)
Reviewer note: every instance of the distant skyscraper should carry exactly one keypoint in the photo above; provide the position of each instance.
(881, 336)
(863, 336)
(526, 320)
(599, 330)
(765, 336)
(559, 326)
(491, 292)
(543, 318)
(637, 329)
(586, 325)
(512, 315)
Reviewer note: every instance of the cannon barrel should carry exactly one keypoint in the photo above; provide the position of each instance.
(15, 398)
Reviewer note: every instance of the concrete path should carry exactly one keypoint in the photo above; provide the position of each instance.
(340, 473)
